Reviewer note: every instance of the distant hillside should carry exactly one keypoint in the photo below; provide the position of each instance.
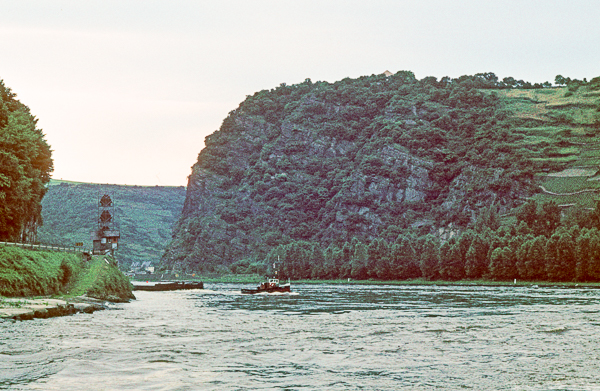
(145, 216)
(377, 177)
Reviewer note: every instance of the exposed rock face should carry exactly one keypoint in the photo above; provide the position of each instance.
(208, 196)
(269, 176)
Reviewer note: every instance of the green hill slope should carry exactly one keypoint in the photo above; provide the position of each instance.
(145, 216)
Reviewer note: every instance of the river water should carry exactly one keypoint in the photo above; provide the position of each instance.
(320, 337)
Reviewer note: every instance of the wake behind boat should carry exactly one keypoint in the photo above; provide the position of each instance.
(271, 286)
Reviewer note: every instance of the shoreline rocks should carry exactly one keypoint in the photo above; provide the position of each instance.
(13, 309)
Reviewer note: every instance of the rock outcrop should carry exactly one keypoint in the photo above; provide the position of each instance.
(28, 309)
(331, 162)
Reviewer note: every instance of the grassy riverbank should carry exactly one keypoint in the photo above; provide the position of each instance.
(26, 273)
(29, 273)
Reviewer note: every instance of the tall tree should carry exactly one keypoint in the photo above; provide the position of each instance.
(560, 257)
(378, 264)
(452, 265)
(404, 263)
(536, 259)
(497, 259)
(25, 167)
(345, 266)
(429, 258)
(476, 265)
(522, 258)
(317, 261)
(583, 251)
(593, 265)
(502, 264)
(359, 262)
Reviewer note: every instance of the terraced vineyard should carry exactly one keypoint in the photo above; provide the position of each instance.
(560, 130)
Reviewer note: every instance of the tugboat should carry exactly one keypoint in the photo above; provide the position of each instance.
(271, 286)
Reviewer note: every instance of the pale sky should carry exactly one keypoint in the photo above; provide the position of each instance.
(126, 91)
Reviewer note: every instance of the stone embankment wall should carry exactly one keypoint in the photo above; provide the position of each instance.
(12, 309)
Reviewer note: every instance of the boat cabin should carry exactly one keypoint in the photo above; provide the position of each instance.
(271, 283)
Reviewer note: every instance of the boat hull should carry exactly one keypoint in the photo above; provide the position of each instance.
(278, 289)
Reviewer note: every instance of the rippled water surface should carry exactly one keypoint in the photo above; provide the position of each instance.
(319, 337)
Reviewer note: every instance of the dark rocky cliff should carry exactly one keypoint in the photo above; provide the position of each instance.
(360, 158)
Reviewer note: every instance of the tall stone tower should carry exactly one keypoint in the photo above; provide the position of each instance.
(106, 237)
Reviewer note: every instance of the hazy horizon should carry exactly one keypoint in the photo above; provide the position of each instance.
(127, 91)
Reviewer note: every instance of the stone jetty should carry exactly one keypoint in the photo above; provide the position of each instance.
(12, 309)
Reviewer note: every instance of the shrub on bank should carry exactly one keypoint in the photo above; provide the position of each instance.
(35, 273)
(109, 283)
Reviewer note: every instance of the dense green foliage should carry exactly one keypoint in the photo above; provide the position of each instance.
(538, 246)
(104, 281)
(145, 216)
(31, 273)
(377, 177)
(25, 167)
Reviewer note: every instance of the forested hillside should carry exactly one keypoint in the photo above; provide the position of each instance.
(25, 167)
(391, 177)
(145, 216)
